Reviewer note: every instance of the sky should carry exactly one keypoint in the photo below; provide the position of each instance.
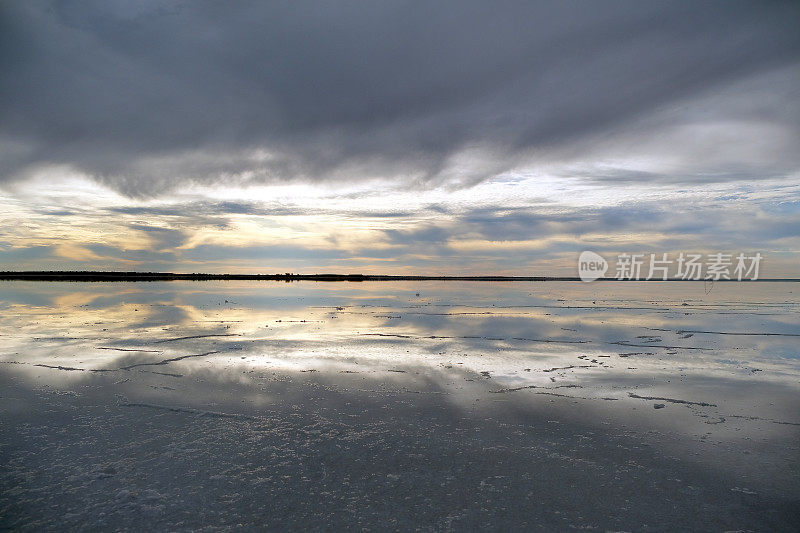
(396, 137)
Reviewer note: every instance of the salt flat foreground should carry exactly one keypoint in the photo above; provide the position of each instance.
(430, 405)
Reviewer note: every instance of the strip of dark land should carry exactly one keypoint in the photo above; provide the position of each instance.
(172, 276)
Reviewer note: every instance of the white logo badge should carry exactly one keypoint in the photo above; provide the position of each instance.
(591, 266)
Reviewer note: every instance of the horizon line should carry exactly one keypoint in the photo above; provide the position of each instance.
(90, 275)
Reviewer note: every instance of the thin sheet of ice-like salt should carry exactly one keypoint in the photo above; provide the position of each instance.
(705, 376)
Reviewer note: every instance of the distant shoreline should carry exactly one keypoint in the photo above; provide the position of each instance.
(171, 276)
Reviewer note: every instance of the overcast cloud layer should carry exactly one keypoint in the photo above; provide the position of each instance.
(396, 137)
(146, 96)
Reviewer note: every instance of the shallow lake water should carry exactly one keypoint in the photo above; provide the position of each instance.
(634, 406)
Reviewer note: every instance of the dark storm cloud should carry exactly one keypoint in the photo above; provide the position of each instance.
(430, 234)
(207, 252)
(55, 212)
(741, 172)
(14, 254)
(144, 96)
(140, 256)
(213, 213)
(162, 238)
(723, 227)
(206, 209)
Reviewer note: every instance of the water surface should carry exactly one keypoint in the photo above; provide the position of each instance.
(441, 405)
